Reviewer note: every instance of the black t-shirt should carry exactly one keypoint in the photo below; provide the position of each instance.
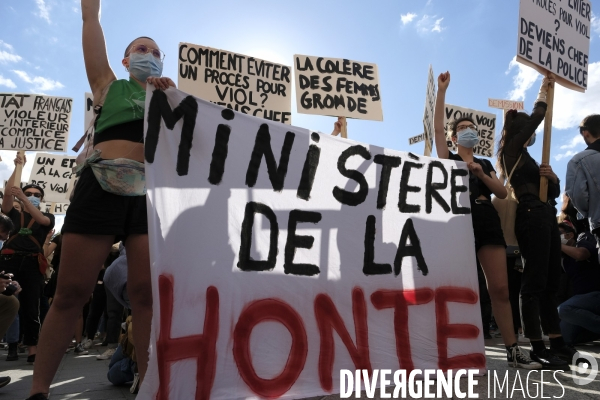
(24, 243)
(56, 257)
(476, 187)
(584, 275)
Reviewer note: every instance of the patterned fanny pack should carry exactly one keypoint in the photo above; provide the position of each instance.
(121, 176)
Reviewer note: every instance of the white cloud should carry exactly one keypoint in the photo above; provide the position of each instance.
(570, 107)
(43, 10)
(7, 82)
(8, 46)
(522, 81)
(40, 84)
(569, 153)
(6, 57)
(430, 23)
(576, 140)
(595, 24)
(407, 18)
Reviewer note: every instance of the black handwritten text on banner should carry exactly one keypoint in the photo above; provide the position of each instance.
(337, 87)
(486, 128)
(555, 36)
(429, 107)
(34, 122)
(243, 83)
(284, 236)
(53, 173)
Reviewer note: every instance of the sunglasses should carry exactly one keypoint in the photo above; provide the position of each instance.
(583, 128)
(35, 194)
(143, 49)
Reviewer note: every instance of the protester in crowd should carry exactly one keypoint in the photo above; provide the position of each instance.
(23, 255)
(9, 306)
(568, 213)
(115, 278)
(97, 216)
(17, 205)
(489, 239)
(583, 175)
(580, 314)
(537, 233)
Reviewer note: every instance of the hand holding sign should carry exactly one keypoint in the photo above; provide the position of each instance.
(161, 83)
(476, 169)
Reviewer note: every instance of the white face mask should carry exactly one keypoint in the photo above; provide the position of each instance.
(563, 240)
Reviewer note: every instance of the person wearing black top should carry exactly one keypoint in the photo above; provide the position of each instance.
(537, 233)
(489, 239)
(23, 256)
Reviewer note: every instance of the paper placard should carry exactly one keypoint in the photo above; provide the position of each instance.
(429, 112)
(416, 139)
(243, 83)
(337, 87)
(34, 122)
(286, 240)
(555, 36)
(486, 125)
(55, 208)
(52, 173)
(506, 104)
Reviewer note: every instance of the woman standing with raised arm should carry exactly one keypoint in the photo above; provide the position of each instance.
(537, 233)
(489, 239)
(102, 209)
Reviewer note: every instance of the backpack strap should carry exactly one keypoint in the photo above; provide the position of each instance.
(33, 239)
(87, 135)
(514, 167)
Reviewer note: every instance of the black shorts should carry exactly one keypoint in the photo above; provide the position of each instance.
(98, 212)
(486, 225)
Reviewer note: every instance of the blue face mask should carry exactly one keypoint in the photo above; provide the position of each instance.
(468, 138)
(142, 66)
(35, 201)
(532, 140)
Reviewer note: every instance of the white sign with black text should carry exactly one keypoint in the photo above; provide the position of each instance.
(486, 128)
(52, 173)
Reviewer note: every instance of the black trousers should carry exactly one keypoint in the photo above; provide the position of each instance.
(114, 316)
(26, 271)
(539, 241)
(97, 308)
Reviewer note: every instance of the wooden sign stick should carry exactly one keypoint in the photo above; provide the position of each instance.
(547, 139)
(19, 169)
(344, 131)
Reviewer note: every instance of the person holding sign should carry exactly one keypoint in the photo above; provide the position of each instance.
(489, 239)
(109, 201)
(23, 255)
(537, 233)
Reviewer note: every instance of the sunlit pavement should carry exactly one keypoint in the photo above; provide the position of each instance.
(84, 377)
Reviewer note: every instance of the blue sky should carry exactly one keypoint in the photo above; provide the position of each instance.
(40, 52)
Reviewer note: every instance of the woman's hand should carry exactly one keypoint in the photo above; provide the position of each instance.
(476, 169)
(161, 83)
(20, 160)
(546, 170)
(19, 288)
(444, 81)
(18, 193)
(337, 127)
(49, 235)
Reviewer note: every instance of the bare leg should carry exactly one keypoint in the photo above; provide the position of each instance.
(493, 263)
(139, 289)
(82, 258)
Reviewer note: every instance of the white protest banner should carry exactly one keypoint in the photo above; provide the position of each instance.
(506, 104)
(52, 172)
(337, 87)
(429, 108)
(89, 110)
(486, 126)
(243, 83)
(55, 208)
(281, 256)
(555, 36)
(34, 122)
(416, 139)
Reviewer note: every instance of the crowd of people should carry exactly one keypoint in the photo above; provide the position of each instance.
(558, 290)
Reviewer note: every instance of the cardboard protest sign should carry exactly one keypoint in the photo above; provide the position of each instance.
(417, 139)
(337, 87)
(52, 173)
(506, 104)
(299, 254)
(243, 83)
(555, 36)
(429, 108)
(55, 208)
(486, 126)
(34, 122)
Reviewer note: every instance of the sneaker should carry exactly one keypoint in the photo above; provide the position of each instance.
(522, 339)
(37, 396)
(79, 350)
(4, 380)
(566, 352)
(87, 343)
(549, 360)
(13, 354)
(31, 359)
(135, 386)
(106, 355)
(519, 359)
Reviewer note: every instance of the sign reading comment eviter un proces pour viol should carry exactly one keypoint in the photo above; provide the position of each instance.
(281, 256)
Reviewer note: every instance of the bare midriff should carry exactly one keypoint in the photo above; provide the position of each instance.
(113, 149)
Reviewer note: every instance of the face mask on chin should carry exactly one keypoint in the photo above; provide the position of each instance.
(143, 66)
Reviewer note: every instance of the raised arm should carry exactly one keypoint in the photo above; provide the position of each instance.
(8, 199)
(438, 120)
(94, 48)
